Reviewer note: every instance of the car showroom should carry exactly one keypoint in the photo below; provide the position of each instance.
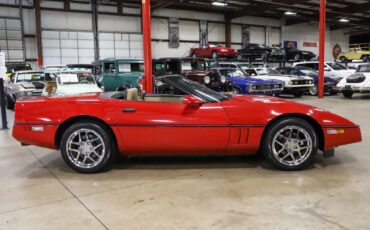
(184, 114)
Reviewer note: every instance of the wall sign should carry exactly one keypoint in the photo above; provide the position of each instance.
(203, 33)
(246, 35)
(290, 44)
(173, 33)
(309, 44)
(336, 50)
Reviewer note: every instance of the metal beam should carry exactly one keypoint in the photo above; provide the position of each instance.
(322, 47)
(146, 20)
(94, 15)
(38, 32)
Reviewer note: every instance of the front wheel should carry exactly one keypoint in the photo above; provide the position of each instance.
(87, 147)
(313, 90)
(290, 144)
(298, 94)
(347, 94)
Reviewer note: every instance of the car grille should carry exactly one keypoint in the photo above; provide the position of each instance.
(301, 82)
(266, 87)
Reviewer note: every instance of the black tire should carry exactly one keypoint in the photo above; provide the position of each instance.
(313, 90)
(333, 92)
(214, 55)
(9, 103)
(107, 142)
(298, 93)
(273, 130)
(347, 94)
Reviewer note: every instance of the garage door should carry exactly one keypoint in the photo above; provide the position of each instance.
(120, 45)
(11, 39)
(67, 47)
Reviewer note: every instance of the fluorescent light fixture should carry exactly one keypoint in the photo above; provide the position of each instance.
(219, 3)
(343, 20)
(290, 13)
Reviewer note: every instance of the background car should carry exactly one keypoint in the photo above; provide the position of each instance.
(193, 69)
(213, 51)
(358, 82)
(118, 74)
(298, 55)
(354, 54)
(262, 52)
(295, 85)
(12, 67)
(70, 82)
(333, 70)
(243, 84)
(194, 120)
(81, 67)
(329, 83)
(23, 84)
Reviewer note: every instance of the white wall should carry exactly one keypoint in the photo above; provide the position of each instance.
(310, 33)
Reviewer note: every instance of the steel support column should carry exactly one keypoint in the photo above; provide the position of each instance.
(38, 32)
(94, 15)
(322, 48)
(147, 46)
(228, 30)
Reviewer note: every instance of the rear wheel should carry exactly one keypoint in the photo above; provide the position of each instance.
(347, 94)
(290, 144)
(87, 147)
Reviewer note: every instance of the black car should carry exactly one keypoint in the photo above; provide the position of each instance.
(298, 55)
(262, 52)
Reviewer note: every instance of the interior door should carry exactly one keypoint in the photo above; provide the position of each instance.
(158, 128)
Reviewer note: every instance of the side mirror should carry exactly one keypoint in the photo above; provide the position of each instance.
(192, 101)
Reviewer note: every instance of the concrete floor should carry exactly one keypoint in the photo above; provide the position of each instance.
(38, 191)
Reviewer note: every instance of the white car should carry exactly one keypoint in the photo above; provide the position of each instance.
(53, 68)
(358, 82)
(70, 83)
(296, 85)
(333, 70)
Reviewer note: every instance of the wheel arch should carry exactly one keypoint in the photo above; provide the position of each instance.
(318, 129)
(73, 120)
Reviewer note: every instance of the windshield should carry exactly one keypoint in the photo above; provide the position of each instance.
(363, 69)
(192, 65)
(193, 88)
(268, 72)
(308, 71)
(30, 77)
(232, 72)
(336, 66)
(73, 78)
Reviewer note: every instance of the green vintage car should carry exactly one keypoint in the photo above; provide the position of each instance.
(117, 74)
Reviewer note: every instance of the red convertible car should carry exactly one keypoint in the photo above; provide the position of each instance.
(187, 119)
(213, 51)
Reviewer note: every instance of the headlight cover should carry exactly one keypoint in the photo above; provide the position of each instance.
(223, 79)
(207, 80)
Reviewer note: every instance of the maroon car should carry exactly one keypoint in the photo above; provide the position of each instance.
(213, 51)
(193, 69)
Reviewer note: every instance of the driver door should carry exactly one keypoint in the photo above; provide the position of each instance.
(162, 128)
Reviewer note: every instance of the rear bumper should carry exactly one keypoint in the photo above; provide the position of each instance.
(336, 136)
(35, 134)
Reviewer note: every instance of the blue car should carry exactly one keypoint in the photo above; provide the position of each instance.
(243, 84)
(329, 83)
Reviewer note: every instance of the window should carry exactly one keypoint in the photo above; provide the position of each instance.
(336, 66)
(30, 77)
(109, 68)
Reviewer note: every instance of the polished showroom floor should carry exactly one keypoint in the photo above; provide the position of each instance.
(38, 191)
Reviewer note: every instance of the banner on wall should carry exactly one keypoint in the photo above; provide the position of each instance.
(310, 44)
(336, 50)
(173, 33)
(290, 44)
(203, 33)
(246, 35)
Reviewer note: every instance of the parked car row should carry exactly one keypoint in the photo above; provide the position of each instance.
(252, 52)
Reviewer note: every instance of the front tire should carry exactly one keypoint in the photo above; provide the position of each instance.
(290, 144)
(87, 147)
(347, 94)
(298, 94)
(313, 90)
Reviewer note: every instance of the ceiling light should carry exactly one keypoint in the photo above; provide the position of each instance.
(343, 20)
(219, 3)
(290, 13)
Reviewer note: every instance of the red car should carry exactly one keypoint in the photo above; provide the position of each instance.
(213, 51)
(189, 119)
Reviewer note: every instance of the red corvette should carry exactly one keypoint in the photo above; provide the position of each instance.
(185, 119)
(213, 51)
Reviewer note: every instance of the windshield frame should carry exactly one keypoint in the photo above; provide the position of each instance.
(40, 73)
(57, 78)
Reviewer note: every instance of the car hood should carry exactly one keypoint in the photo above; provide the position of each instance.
(252, 80)
(260, 110)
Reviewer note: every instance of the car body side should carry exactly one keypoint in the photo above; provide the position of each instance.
(235, 126)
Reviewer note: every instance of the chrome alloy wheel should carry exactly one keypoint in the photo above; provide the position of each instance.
(292, 145)
(85, 148)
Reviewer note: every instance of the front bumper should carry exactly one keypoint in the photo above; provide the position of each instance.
(336, 136)
(354, 89)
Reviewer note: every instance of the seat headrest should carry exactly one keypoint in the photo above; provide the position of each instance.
(132, 94)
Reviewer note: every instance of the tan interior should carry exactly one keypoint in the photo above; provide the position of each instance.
(132, 94)
(164, 99)
(50, 87)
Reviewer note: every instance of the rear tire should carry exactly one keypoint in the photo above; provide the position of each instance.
(290, 144)
(347, 94)
(87, 147)
(9, 103)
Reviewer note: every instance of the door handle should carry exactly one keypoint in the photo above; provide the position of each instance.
(129, 110)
